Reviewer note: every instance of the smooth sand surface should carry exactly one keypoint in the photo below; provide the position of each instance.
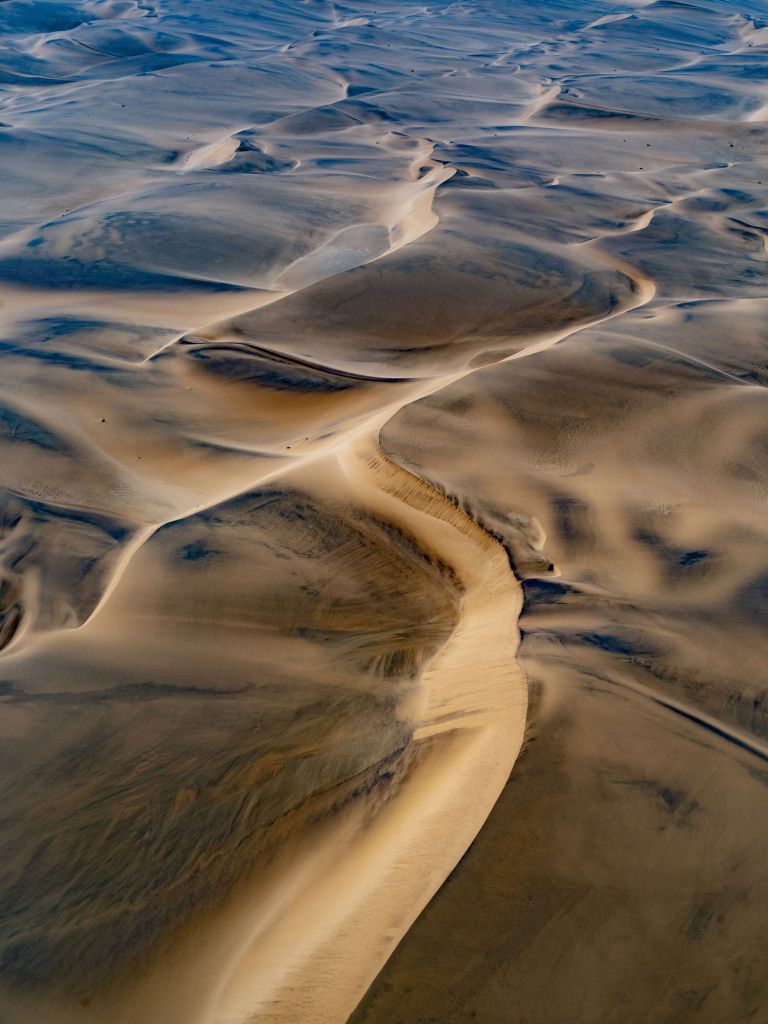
(383, 393)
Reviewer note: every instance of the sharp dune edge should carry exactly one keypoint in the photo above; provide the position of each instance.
(466, 738)
(382, 387)
(370, 874)
(332, 918)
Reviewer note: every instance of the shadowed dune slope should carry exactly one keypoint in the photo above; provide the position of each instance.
(366, 371)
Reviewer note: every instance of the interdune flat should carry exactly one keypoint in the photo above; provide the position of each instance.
(383, 574)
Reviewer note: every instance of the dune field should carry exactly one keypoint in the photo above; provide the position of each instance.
(384, 512)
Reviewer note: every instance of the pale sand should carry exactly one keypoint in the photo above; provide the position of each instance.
(312, 317)
(333, 917)
(465, 740)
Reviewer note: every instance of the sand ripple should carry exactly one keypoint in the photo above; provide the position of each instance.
(322, 326)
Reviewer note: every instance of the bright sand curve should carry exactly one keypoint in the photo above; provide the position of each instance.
(326, 328)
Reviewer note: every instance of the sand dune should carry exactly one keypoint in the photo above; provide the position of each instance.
(336, 339)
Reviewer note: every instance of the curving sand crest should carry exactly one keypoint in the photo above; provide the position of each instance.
(329, 912)
(324, 328)
(468, 716)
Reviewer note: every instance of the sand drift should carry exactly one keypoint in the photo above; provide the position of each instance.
(383, 393)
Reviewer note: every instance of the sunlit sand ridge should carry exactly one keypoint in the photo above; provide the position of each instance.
(348, 897)
(320, 325)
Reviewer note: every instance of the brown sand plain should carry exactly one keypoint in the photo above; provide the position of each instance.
(323, 327)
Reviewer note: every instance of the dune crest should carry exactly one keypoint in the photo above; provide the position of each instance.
(380, 385)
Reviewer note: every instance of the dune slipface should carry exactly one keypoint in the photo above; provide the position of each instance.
(383, 393)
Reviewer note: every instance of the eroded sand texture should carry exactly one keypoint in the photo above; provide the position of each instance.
(322, 326)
